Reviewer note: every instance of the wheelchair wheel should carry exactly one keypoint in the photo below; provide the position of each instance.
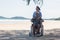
(42, 30)
(31, 31)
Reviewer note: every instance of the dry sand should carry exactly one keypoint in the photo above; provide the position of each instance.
(25, 25)
(19, 30)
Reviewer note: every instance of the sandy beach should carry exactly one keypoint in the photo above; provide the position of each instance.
(19, 30)
(26, 24)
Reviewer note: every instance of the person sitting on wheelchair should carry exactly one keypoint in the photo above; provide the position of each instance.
(37, 16)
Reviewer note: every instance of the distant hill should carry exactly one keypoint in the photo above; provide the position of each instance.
(57, 18)
(16, 17)
(53, 18)
(1, 17)
(23, 18)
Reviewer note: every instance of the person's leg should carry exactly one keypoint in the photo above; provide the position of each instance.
(38, 29)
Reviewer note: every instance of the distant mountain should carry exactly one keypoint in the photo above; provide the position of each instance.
(1, 17)
(53, 18)
(18, 17)
(57, 18)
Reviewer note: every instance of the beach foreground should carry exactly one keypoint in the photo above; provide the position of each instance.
(19, 30)
(24, 35)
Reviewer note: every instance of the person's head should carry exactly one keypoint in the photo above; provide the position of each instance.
(37, 8)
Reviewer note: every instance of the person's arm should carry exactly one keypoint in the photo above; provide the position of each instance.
(34, 16)
(40, 15)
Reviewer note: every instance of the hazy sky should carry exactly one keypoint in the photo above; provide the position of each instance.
(11, 8)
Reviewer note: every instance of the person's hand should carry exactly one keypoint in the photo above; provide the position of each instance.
(38, 18)
(32, 19)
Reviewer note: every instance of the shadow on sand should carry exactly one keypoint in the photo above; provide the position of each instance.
(53, 34)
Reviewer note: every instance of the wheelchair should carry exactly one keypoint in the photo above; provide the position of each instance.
(34, 32)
